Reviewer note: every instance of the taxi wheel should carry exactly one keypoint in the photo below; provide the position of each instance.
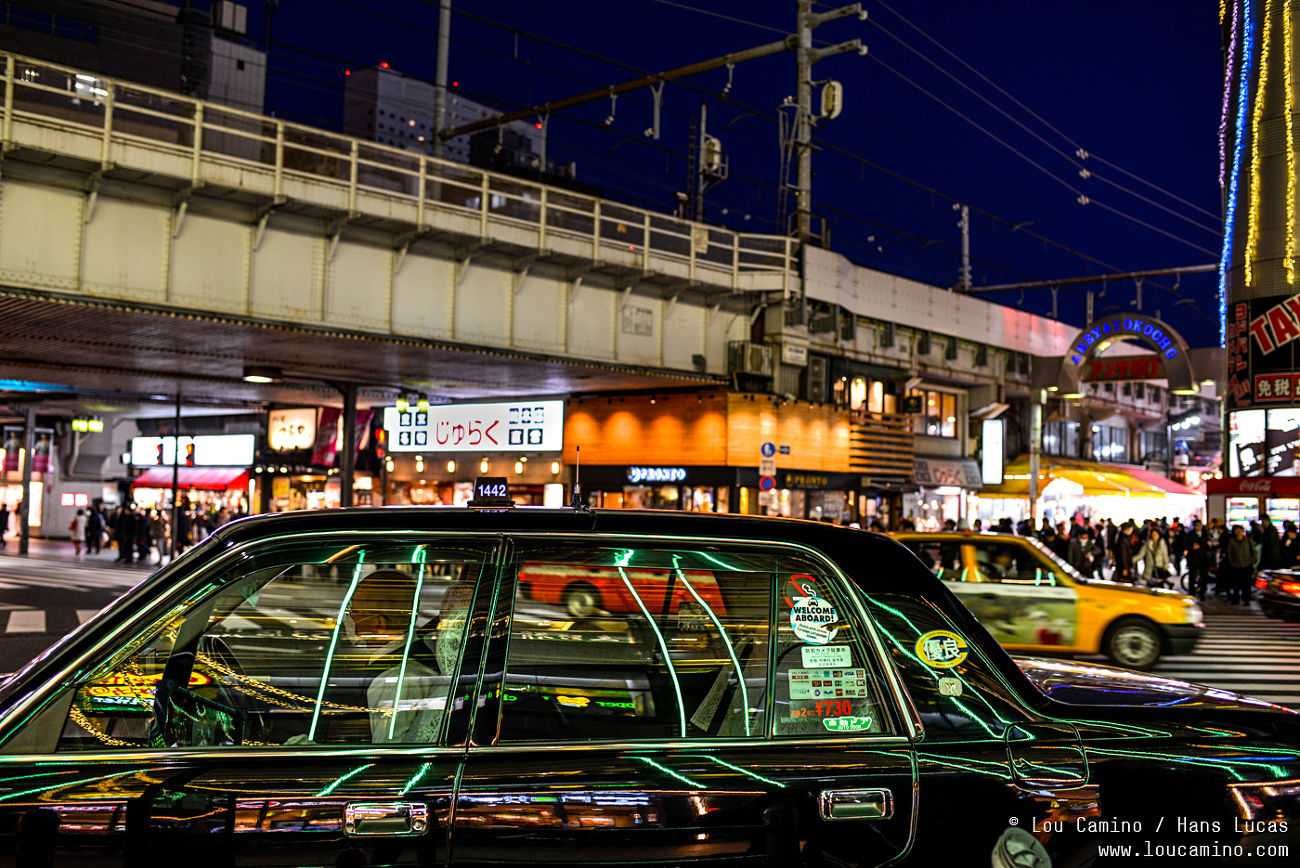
(581, 600)
(1133, 643)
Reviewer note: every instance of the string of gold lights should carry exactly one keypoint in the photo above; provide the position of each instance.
(1289, 113)
(1252, 226)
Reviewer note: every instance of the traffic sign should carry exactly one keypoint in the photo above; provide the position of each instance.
(766, 483)
(768, 449)
(767, 467)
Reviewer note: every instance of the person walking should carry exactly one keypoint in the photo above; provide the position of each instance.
(4, 524)
(1124, 549)
(1200, 557)
(143, 535)
(124, 534)
(1155, 558)
(1177, 540)
(1239, 564)
(1082, 552)
(1270, 545)
(1290, 558)
(94, 531)
(77, 527)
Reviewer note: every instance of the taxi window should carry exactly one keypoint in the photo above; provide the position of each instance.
(298, 644)
(1013, 564)
(941, 557)
(825, 681)
(669, 643)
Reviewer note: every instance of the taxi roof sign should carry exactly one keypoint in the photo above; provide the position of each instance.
(491, 492)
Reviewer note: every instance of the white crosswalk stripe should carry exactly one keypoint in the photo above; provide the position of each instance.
(1243, 651)
(26, 621)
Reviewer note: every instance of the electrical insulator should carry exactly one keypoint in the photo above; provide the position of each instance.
(832, 100)
(712, 153)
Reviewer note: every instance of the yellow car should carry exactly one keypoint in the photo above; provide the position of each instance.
(1032, 600)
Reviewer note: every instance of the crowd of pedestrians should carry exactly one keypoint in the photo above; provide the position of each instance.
(139, 534)
(1158, 552)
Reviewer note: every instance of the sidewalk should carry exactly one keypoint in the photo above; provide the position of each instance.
(63, 551)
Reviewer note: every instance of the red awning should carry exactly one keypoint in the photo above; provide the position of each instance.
(1163, 483)
(207, 478)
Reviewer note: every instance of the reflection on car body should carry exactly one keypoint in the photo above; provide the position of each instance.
(391, 687)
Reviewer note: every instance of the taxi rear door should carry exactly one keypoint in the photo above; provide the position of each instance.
(662, 736)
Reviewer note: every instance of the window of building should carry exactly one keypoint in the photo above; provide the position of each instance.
(302, 644)
(938, 416)
(239, 65)
(1109, 444)
(1152, 442)
(637, 642)
(1061, 437)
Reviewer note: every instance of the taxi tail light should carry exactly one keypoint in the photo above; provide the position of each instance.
(1262, 582)
(1291, 587)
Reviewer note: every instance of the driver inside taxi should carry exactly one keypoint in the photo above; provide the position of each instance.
(407, 698)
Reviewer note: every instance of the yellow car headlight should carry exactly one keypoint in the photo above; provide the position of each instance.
(1193, 615)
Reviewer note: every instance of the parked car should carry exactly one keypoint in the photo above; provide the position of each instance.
(1032, 600)
(374, 686)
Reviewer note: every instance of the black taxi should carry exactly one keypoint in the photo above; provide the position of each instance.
(380, 687)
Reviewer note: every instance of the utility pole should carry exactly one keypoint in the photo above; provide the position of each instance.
(440, 77)
(963, 279)
(805, 57)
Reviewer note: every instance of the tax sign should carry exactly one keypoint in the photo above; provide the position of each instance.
(535, 426)
(1121, 368)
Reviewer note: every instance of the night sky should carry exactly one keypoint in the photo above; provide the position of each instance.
(1137, 85)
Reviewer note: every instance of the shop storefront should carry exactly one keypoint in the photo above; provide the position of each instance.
(714, 451)
(1070, 486)
(434, 452)
(689, 489)
(948, 491)
(1243, 500)
(211, 470)
(298, 466)
(12, 458)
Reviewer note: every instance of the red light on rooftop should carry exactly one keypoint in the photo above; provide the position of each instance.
(347, 72)
(538, 125)
(455, 84)
(383, 64)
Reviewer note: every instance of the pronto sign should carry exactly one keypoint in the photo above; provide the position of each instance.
(1170, 348)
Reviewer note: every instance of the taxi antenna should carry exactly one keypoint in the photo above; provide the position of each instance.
(577, 502)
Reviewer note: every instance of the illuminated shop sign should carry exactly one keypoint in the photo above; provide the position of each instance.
(1263, 442)
(534, 426)
(203, 450)
(1263, 349)
(656, 474)
(289, 430)
(1120, 327)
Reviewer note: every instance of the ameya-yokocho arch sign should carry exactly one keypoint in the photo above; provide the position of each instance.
(1080, 364)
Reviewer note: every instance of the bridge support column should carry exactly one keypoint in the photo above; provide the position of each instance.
(348, 461)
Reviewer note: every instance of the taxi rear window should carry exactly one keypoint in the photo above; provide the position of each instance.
(660, 642)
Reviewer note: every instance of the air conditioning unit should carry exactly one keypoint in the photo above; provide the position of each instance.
(747, 357)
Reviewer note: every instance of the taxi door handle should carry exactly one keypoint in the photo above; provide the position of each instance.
(391, 819)
(873, 804)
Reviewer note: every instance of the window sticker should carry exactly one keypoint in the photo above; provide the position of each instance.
(828, 684)
(941, 649)
(825, 708)
(949, 686)
(822, 656)
(812, 618)
(847, 724)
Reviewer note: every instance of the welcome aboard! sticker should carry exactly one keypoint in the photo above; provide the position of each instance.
(811, 618)
(941, 649)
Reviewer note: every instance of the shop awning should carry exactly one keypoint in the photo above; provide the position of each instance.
(963, 472)
(1095, 478)
(206, 478)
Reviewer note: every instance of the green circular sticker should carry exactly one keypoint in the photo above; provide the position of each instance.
(941, 649)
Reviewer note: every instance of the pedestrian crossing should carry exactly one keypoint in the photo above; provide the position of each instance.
(1243, 651)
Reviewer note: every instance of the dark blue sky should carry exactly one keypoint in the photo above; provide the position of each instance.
(1137, 85)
